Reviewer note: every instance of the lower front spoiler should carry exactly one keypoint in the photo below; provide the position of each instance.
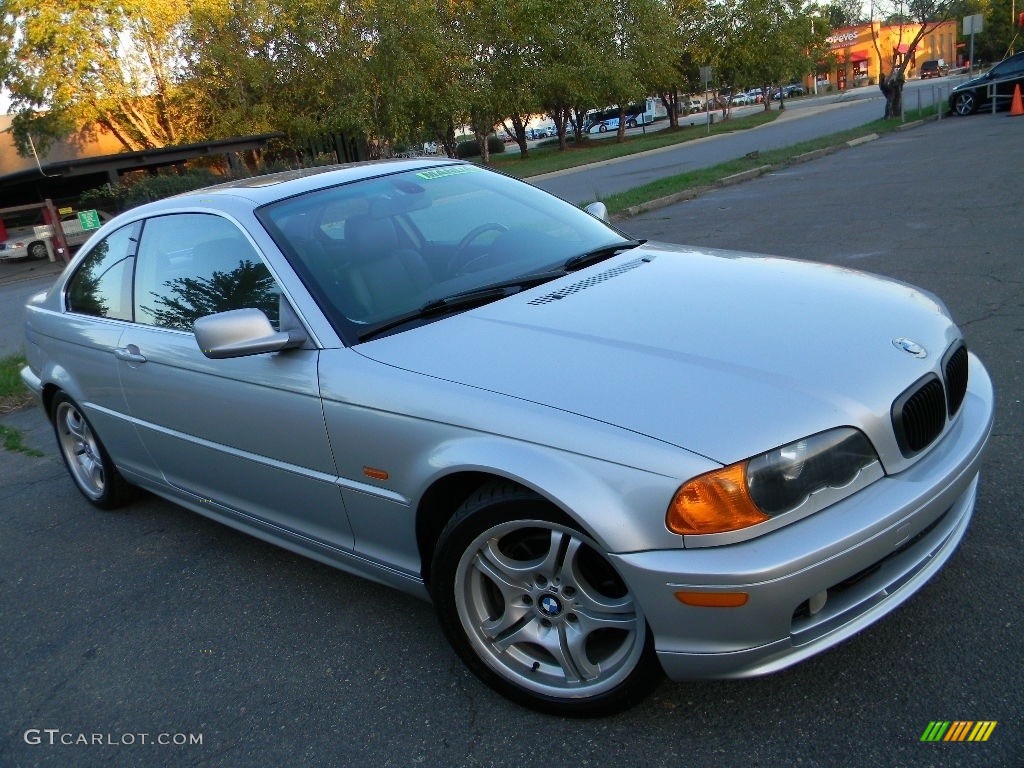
(854, 604)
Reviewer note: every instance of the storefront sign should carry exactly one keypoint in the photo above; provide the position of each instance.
(842, 39)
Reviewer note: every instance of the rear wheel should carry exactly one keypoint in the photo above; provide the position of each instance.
(37, 250)
(535, 609)
(965, 103)
(85, 457)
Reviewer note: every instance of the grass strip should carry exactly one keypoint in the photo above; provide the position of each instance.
(632, 201)
(13, 441)
(13, 394)
(547, 157)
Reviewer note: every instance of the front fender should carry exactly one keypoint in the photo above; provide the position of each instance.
(621, 507)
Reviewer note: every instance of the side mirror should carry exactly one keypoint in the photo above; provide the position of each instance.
(242, 332)
(598, 211)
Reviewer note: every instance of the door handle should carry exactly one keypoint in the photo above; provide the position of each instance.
(130, 354)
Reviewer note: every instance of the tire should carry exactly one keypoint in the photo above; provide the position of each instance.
(536, 611)
(965, 103)
(86, 459)
(37, 250)
(602, 128)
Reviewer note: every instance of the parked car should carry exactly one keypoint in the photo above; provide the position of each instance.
(789, 92)
(973, 95)
(933, 68)
(741, 99)
(694, 106)
(74, 233)
(451, 382)
(24, 236)
(22, 246)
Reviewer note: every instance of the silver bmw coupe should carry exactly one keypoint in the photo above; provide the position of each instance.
(603, 460)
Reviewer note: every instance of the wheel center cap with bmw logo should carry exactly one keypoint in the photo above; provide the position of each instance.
(550, 606)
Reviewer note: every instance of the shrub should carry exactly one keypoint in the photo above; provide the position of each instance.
(471, 148)
(146, 189)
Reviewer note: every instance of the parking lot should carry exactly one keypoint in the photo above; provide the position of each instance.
(153, 621)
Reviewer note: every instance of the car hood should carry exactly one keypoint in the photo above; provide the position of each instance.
(720, 353)
(974, 82)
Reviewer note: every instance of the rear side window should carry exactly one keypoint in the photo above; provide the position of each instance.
(102, 284)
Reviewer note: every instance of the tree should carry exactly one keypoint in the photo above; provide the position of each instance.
(80, 64)
(904, 39)
(845, 13)
(189, 298)
(571, 64)
(644, 42)
(770, 42)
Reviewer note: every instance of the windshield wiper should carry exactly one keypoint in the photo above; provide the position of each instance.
(474, 297)
(600, 254)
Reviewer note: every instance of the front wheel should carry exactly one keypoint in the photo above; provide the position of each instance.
(965, 103)
(535, 609)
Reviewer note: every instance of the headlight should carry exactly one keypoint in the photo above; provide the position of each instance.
(810, 473)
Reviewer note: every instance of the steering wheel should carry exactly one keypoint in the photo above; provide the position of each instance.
(460, 260)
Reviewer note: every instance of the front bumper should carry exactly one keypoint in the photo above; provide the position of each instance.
(32, 382)
(864, 556)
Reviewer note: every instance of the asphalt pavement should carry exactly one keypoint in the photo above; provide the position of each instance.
(119, 630)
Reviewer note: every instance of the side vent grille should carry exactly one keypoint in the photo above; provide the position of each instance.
(582, 285)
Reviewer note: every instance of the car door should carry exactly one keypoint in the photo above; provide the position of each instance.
(1008, 75)
(243, 437)
(97, 311)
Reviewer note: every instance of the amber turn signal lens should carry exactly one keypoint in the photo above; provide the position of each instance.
(713, 599)
(713, 503)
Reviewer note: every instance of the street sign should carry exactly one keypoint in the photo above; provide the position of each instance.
(973, 23)
(89, 220)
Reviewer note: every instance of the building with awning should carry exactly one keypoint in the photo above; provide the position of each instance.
(860, 53)
(90, 159)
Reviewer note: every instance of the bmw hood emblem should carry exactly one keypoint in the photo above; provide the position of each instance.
(909, 346)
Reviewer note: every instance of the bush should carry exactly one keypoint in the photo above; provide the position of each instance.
(147, 188)
(471, 148)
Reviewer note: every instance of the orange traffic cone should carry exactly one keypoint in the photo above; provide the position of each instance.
(1016, 107)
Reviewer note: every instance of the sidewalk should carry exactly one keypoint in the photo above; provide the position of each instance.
(16, 270)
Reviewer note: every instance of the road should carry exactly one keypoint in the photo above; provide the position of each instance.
(803, 119)
(153, 620)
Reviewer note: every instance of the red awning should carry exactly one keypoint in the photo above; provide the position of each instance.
(859, 57)
(902, 48)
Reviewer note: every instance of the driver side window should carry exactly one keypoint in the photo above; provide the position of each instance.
(195, 264)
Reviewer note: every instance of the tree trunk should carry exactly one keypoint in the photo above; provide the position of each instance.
(519, 134)
(892, 87)
(671, 102)
(485, 151)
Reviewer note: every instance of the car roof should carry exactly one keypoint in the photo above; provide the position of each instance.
(276, 186)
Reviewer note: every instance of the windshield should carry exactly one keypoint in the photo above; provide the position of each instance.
(377, 250)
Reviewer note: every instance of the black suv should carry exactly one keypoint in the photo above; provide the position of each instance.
(933, 68)
(999, 82)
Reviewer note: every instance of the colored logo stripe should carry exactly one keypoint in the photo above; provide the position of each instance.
(958, 730)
